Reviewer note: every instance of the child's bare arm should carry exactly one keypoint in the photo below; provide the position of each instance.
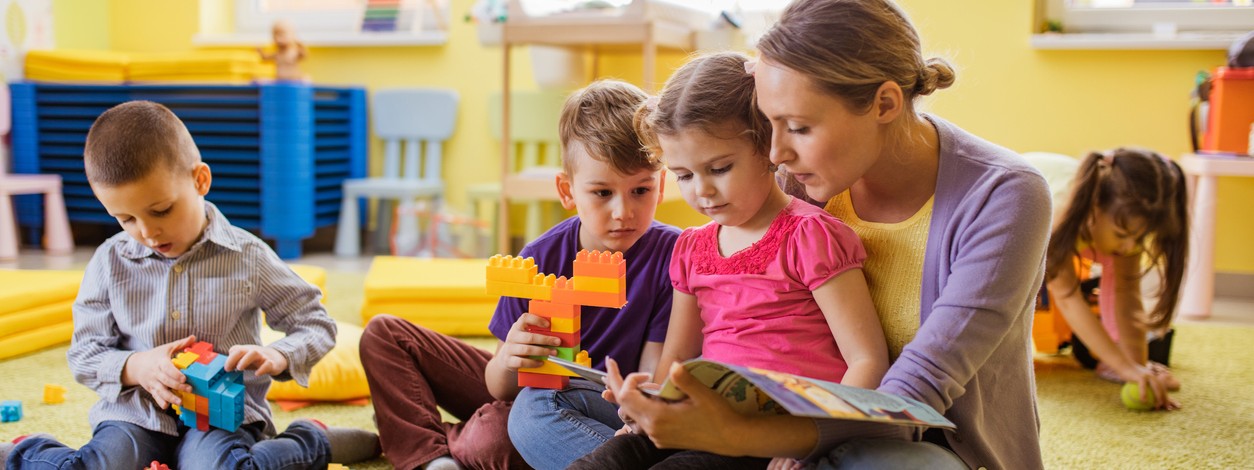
(1129, 310)
(683, 335)
(512, 354)
(846, 303)
(649, 356)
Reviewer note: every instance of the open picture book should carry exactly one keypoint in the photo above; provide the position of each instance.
(752, 390)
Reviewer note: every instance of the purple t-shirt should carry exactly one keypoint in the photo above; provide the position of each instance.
(607, 332)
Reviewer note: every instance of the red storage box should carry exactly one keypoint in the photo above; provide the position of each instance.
(1231, 110)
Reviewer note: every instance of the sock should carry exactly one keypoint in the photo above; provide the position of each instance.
(349, 445)
(442, 463)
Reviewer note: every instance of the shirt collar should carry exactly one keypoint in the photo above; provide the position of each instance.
(217, 231)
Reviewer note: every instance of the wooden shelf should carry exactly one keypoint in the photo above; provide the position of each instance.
(340, 39)
(1218, 40)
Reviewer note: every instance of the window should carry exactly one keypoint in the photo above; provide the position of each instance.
(325, 22)
(1149, 16)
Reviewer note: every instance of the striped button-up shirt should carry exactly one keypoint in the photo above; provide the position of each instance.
(133, 299)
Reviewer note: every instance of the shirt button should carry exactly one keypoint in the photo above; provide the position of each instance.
(174, 314)
(178, 269)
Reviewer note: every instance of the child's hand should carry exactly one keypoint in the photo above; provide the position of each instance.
(259, 359)
(1165, 374)
(1148, 379)
(784, 463)
(153, 370)
(520, 343)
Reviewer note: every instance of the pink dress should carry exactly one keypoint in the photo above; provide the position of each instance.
(757, 305)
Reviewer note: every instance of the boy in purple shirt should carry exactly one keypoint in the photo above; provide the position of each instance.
(615, 187)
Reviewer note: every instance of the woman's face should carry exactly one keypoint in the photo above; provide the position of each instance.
(815, 135)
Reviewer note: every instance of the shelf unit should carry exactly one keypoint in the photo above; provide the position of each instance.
(643, 24)
(279, 152)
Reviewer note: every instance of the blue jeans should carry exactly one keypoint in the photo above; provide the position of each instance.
(117, 444)
(889, 454)
(552, 428)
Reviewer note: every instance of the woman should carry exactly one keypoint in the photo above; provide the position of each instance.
(955, 229)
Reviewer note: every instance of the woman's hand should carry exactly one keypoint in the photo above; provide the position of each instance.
(702, 421)
(784, 463)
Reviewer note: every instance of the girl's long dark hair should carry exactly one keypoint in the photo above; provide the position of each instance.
(1128, 185)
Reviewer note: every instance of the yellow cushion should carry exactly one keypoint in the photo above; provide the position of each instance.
(338, 376)
(445, 295)
(32, 318)
(23, 289)
(313, 275)
(395, 277)
(36, 339)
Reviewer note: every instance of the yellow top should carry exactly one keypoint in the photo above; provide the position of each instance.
(893, 267)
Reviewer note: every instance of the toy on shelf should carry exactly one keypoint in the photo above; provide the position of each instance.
(288, 52)
(217, 396)
(54, 394)
(10, 411)
(600, 280)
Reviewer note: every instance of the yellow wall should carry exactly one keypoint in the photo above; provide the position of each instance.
(1062, 101)
(77, 24)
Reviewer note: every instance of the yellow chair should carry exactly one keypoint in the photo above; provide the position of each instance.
(445, 295)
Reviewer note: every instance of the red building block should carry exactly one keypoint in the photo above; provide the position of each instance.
(553, 382)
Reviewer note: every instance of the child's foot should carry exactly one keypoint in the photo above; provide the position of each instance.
(442, 463)
(1108, 374)
(349, 445)
(6, 448)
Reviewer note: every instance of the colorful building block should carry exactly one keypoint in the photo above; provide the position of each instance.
(54, 394)
(217, 396)
(155, 465)
(599, 280)
(10, 411)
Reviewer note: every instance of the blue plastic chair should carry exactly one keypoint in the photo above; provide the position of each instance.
(403, 118)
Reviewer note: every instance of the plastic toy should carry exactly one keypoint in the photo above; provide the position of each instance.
(1131, 395)
(288, 52)
(10, 411)
(155, 465)
(54, 394)
(599, 280)
(217, 396)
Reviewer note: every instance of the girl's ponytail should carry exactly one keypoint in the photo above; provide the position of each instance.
(1073, 224)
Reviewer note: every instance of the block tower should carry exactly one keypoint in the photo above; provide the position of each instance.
(217, 396)
(600, 280)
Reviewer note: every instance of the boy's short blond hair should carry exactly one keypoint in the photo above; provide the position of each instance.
(131, 140)
(599, 117)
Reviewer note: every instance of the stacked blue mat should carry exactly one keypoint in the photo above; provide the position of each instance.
(279, 152)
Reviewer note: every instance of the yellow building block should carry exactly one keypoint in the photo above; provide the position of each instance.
(185, 359)
(540, 287)
(54, 394)
(511, 269)
(564, 325)
(600, 284)
(549, 368)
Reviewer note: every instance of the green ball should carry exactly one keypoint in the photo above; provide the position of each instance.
(1132, 397)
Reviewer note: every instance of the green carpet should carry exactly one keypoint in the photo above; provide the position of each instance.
(1083, 424)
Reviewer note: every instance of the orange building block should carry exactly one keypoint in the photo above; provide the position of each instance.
(600, 264)
(554, 382)
(511, 269)
(547, 309)
(564, 293)
(55, 394)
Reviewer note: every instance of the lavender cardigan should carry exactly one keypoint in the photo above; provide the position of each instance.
(971, 358)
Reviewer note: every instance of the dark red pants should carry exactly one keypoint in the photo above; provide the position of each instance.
(411, 371)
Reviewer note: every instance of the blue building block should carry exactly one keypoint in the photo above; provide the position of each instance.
(10, 410)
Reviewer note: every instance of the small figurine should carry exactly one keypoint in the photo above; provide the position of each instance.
(288, 52)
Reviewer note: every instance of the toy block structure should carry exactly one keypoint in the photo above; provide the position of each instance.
(217, 396)
(10, 411)
(155, 465)
(54, 394)
(599, 280)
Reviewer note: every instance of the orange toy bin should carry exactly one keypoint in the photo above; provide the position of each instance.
(1231, 110)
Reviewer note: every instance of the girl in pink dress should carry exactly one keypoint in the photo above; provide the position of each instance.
(772, 282)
